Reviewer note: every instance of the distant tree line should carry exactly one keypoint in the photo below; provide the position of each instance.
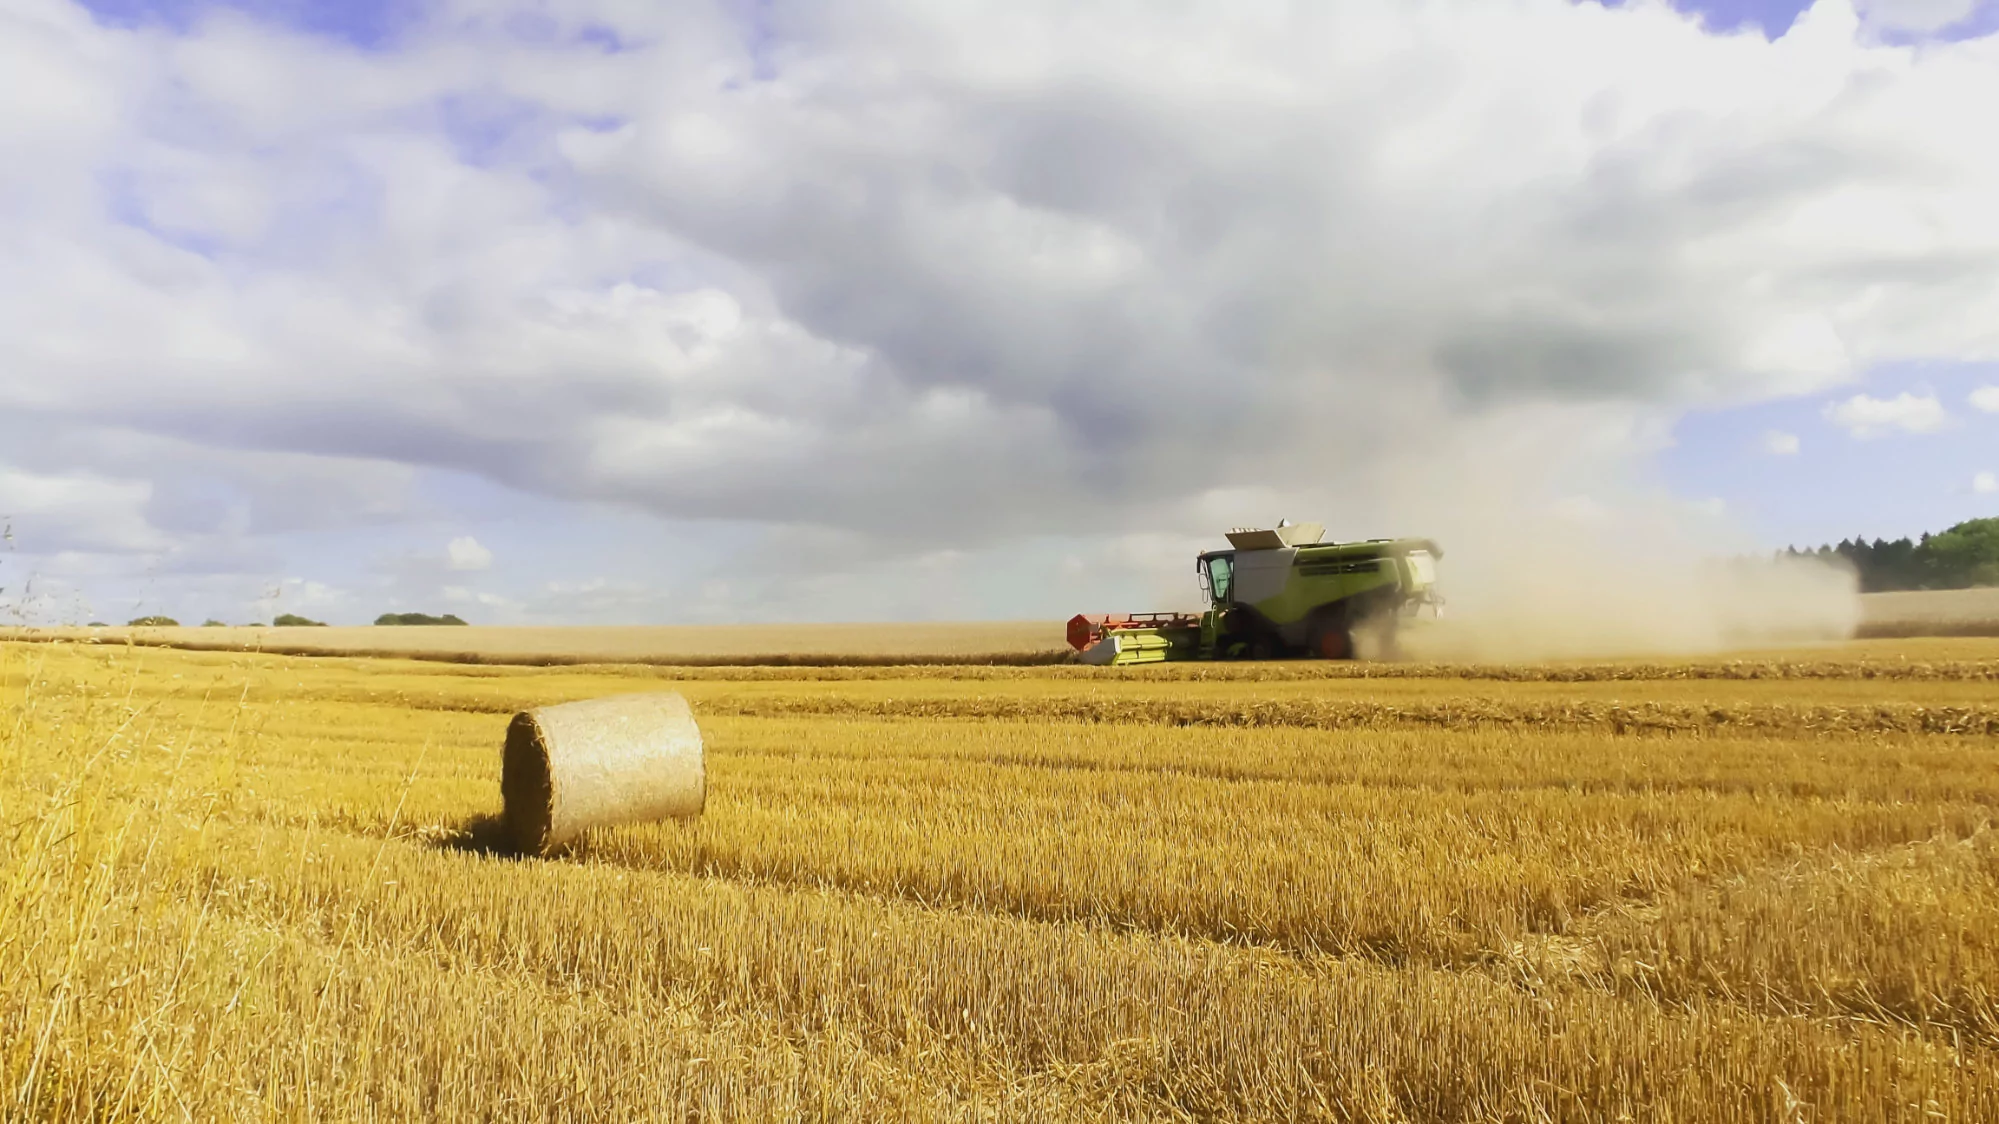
(1965, 555)
(293, 620)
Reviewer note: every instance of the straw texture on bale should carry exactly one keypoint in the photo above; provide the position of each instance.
(600, 763)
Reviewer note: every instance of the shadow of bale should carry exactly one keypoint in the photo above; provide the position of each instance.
(484, 834)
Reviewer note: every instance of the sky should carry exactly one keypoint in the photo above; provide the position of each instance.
(609, 311)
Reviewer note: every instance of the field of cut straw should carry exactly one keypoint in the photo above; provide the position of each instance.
(1931, 612)
(241, 886)
(1010, 642)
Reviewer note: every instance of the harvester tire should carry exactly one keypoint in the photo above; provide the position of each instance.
(1331, 635)
(1334, 643)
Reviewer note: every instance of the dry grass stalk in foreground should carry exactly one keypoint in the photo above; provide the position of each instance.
(238, 887)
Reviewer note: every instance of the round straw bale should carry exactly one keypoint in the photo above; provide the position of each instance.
(599, 763)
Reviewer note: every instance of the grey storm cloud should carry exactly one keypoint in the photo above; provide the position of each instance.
(1025, 266)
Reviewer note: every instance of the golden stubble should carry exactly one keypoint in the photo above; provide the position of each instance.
(1751, 888)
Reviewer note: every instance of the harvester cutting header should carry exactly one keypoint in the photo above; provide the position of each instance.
(1279, 592)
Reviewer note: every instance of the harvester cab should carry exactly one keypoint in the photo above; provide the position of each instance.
(1280, 592)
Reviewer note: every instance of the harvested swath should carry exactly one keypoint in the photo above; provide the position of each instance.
(552, 659)
(1903, 629)
(1891, 630)
(1003, 668)
(1470, 713)
(1863, 664)
(1728, 671)
(599, 763)
(793, 644)
(156, 638)
(1930, 612)
(1906, 934)
(1321, 670)
(1235, 1032)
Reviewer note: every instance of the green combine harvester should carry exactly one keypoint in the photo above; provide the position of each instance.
(1278, 593)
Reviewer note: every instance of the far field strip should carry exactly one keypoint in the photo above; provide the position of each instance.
(1917, 657)
(1917, 614)
(1963, 703)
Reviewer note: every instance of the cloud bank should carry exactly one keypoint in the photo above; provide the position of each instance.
(1865, 416)
(1017, 280)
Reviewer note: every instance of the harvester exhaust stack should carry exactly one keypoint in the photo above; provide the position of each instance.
(600, 763)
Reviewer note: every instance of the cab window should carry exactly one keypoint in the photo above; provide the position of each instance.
(1218, 574)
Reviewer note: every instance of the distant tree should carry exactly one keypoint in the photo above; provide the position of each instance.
(293, 620)
(1967, 554)
(97, 624)
(417, 618)
(153, 622)
(213, 623)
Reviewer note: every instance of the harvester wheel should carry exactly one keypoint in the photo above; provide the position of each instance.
(1331, 636)
(1334, 642)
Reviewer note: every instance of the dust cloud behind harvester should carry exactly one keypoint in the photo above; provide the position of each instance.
(1543, 590)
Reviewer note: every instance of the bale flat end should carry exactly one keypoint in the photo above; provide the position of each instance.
(525, 785)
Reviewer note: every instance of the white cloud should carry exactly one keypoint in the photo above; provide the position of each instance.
(1864, 416)
(466, 553)
(1986, 398)
(966, 274)
(460, 595)
(1780, 444)
(303, 597)
(48, 513)
(1920, 16)
(1985, 483)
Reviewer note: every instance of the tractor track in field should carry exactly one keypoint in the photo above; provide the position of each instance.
(1471, 713)
(1301, 951)
(1612, 718)
(1221, 773)
(1577, 956)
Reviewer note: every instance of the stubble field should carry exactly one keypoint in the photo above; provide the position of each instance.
(1007, 642)
(240, 886)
